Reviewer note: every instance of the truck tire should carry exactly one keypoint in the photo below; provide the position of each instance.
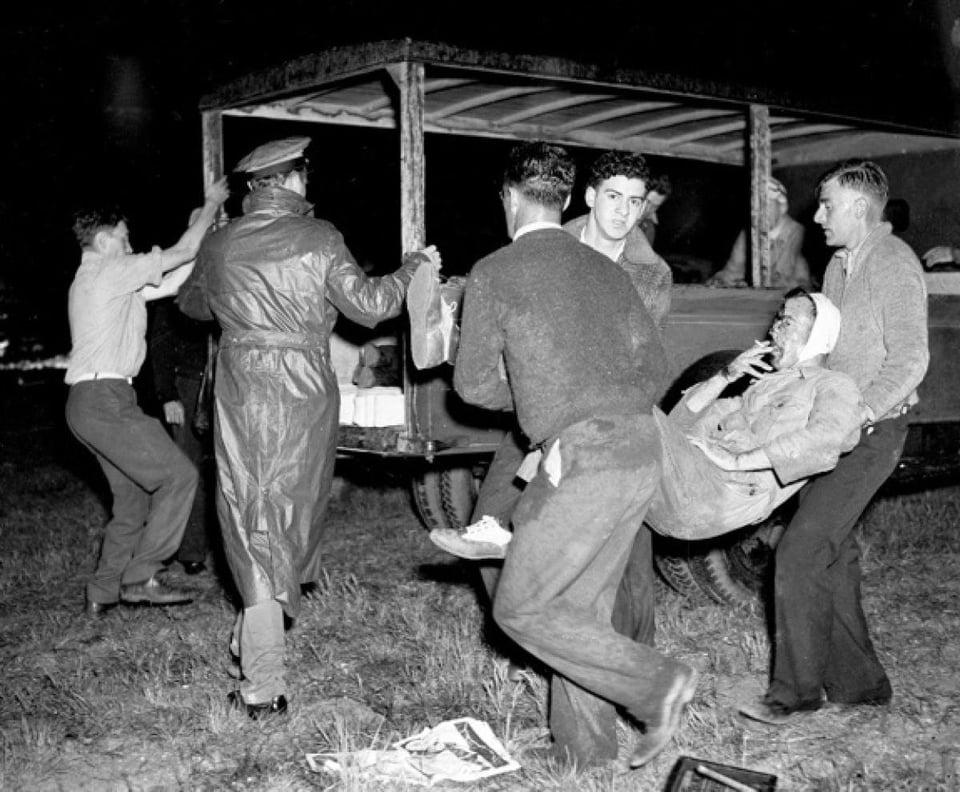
(731, 570)
(672, 560)
(712, 573)
(444, 497)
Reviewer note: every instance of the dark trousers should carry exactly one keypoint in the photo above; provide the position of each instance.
(821, 638)
(634, 609)
(198, 448)
(151, 480)
(563, 571)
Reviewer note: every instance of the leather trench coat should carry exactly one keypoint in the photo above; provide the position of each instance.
(276, 280)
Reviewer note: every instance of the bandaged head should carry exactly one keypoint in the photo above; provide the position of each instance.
(825, 330)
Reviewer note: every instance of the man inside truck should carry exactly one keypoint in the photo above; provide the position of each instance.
(822, 648)
(584, 363)
(787, 264)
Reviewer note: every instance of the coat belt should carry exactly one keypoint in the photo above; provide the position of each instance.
(272, 338)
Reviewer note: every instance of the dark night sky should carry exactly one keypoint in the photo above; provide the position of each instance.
(100, 98)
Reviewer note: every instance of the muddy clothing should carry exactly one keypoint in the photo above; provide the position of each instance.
(276, 280)
(573, 346)
(652, 280)
(633, 612)
(803, 418)
(151, 481)
(651, 275)
(821, 640)
(584, 362)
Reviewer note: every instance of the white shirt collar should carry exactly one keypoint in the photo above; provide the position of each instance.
(619, 248)
(537, 225)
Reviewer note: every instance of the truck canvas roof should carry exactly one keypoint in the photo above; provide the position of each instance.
(514, 96)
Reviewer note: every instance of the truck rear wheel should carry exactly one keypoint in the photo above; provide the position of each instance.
(444, 497)
(672, 559)
(713, 575)
(731, 570)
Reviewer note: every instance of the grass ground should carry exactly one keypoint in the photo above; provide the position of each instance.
(393, 639)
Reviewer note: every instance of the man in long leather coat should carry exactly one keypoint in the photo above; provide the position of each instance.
(276, 279)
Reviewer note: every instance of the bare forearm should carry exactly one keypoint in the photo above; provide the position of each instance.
(187, 246)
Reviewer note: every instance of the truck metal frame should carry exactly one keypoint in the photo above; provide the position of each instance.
(415, 87)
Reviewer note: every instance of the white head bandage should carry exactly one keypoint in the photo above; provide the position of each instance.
(825, 330)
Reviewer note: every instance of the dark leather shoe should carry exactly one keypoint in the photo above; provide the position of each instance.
(154, 592)
(879, 696)
(659, 732)
(773, 713)
(276, 706)
(193, 567)
(98, 609)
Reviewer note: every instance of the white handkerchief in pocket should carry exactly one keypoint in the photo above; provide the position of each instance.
(552, 464)
(528, 468)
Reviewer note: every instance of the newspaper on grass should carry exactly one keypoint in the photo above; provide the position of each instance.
(464, 749)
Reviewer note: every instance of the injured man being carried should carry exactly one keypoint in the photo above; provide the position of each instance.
(730, 461)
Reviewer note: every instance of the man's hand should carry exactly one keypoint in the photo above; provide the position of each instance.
(433, 255)
(217, 192)
(750, 362)
(173, 412)
(941, 254)
(425, 257)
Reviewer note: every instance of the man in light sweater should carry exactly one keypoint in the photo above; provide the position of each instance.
(822, 646)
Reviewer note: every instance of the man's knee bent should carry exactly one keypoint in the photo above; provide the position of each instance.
(183, 475)
(514, 621)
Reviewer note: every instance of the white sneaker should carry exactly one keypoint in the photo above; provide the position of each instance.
(486, 538)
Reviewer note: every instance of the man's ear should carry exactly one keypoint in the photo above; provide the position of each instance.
(589, 197)
(566, 204)
(513, 199)
(861, 206)
(101, 241)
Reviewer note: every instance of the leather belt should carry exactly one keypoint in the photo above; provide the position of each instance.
(102, 375)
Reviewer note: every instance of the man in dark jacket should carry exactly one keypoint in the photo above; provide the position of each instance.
(178, 347)
(615, 193)
(580, 363)
(276, 279)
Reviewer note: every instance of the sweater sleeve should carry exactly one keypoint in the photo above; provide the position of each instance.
(899, 297)
(478, 375)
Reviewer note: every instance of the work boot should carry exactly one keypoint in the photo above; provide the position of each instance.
(660, 730)
(153, 592)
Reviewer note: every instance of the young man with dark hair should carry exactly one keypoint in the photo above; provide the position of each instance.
(151, 480)
(615, 194)
(581, 364)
